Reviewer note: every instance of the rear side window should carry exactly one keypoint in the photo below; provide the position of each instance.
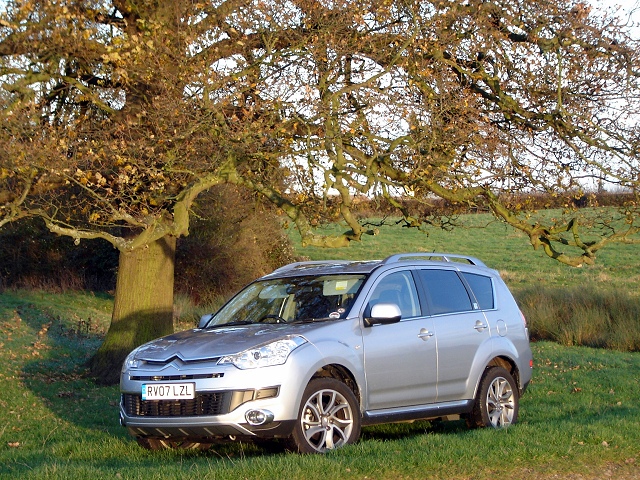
(482, 288)
(445, 291)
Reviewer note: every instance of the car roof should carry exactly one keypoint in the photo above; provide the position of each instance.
(325, 267)
(336, 267)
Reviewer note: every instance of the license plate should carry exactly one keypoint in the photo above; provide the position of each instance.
(168, 391)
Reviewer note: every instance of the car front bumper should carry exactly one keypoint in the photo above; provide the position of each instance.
(228, 401)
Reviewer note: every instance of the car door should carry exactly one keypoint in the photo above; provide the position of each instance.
(400, 358)
(460, 329)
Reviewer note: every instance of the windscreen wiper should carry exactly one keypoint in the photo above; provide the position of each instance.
(230, 324)
(312, 320)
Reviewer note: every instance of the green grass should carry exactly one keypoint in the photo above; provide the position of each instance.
(580, 417)
(498, 245)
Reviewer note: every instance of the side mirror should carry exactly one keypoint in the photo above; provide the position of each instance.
(383, 314)
(204, 319)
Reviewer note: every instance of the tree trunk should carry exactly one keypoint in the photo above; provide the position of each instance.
(143, 307)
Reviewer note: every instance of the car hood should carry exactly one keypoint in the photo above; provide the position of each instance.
(202, 344)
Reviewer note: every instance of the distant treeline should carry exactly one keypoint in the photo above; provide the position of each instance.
(367, 207)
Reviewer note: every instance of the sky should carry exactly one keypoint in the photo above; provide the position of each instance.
(626, 5)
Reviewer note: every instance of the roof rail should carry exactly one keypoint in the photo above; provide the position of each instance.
(444, 257)
(291, 266)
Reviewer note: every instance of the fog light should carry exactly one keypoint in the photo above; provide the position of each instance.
(258, 417)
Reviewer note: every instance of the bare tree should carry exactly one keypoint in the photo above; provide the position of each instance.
(117, 115)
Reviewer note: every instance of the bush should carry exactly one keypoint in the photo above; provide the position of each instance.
(31, 257)
(603, 318)
(233, 240)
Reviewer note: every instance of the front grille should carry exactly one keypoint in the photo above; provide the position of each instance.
(167, 361)
(215, 403)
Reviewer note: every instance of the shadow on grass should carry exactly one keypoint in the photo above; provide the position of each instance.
(400, 431)
(57, 373)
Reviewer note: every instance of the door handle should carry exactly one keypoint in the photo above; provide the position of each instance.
(425, 334)
(479, 326)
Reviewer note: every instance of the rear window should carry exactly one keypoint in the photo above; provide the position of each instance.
(446, 292)
(482, 288)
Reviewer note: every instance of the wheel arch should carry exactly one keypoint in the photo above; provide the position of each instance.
(509, 365)
(504, 353)
(342, 373)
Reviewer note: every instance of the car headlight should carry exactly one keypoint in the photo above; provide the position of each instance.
(274, 353)
(131, 361)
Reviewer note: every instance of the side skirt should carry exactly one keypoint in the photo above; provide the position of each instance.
(418, 412)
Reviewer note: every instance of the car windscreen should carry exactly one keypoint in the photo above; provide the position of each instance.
(288, 300)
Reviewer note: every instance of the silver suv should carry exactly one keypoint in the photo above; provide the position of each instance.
(316, 350)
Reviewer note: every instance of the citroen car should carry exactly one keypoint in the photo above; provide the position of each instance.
(315, 350)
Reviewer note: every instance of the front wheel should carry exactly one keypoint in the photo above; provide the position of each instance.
(329, 417)
(497, 401)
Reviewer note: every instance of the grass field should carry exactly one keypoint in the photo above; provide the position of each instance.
(579, 419)
(498, 245)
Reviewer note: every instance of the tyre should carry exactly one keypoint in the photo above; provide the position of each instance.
(497, 401)
(329, 417)
(162, 444)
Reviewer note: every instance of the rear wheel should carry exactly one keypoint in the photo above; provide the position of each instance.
(164, 444)
(497, 401)
(329, 417)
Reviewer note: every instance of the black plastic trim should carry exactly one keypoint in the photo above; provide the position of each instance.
(421, 412)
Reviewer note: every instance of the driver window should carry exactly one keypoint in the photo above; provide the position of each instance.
(398, 288)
